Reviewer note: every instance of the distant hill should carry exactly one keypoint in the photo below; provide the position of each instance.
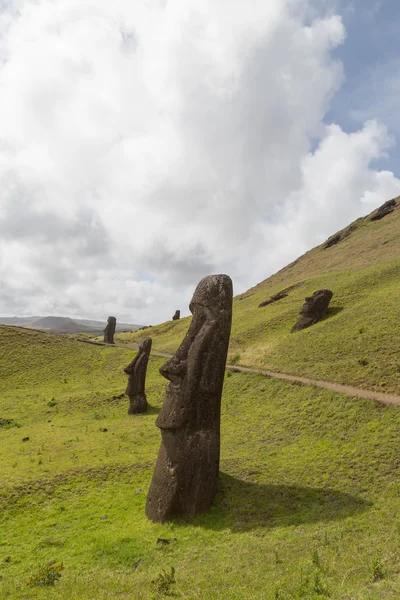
(21, 321)
(65, 325)
(101, 325)
(61, 325)
(358, 342)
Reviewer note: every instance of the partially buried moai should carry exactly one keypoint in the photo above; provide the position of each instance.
(136, 371)
(185, 478)
(110, 330)
(177, 315)
(314, 309)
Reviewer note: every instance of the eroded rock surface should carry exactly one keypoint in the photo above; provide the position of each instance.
(280, 295)
(109, 331)
(343, 234)
(136, 372)
(383, 210)
(313, 310)
(185, 478)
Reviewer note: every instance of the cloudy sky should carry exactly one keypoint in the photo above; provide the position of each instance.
(147, 143)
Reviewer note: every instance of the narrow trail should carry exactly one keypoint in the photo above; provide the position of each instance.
(336, 387)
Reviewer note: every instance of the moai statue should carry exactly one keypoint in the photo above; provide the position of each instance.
(185, 478)
(110, 330)
(136, 371)
(177, 315)
(313, 310)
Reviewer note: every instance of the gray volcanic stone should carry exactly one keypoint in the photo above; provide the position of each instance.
(280, 295)
(185, 478)
(136, 371)
(109, 331)
(313, 310)
(177, 315)
(383, 210)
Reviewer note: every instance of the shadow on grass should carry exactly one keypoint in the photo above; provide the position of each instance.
(333, 310)
(243, 506)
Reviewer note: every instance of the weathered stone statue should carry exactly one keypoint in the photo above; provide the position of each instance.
(177, 315)
(185, 479)
(110, 330)
(136, 371)
(313, 310)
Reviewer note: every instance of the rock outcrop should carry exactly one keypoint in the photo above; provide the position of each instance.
(280, 295)
(343, 234)
(383, 210)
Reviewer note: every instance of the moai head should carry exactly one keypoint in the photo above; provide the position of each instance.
(186, 474)
(313, 310)
(177, 315)
(197, 368)
(316, 304)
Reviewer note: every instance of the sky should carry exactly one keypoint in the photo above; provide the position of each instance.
(145, 144)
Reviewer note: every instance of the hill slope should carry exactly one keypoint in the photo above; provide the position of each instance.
(356, 344)
(307, 507)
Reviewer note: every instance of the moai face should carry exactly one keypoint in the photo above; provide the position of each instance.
(316, 304)
(313, 310)
(194, 372)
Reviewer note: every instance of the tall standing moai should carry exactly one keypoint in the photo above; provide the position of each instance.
(136, 371)
(109, 331)
(177, 315)
(185, 478)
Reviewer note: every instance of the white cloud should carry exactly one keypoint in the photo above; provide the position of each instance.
(144, 145)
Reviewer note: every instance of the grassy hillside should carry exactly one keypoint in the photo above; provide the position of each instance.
(356, 344)
(307, 508)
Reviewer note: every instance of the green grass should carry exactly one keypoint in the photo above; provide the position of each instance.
(357, 344)
(308, 505)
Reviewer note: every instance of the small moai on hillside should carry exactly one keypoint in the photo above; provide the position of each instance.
(185, 478)
(177, 315)
(109, 331)
(136, 371)
(313, 310)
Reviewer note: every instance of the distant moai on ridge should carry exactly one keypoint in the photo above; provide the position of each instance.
(136, 371)
(177, 315)
(109, 331)
(313, 310)
(185, 478)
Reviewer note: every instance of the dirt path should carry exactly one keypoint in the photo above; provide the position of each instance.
(336, 387)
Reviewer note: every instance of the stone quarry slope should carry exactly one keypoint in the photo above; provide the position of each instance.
(308, 496)
(357, 344)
